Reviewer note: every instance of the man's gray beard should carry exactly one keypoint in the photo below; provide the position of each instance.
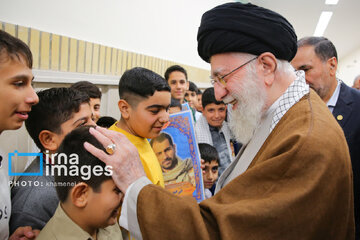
(251, 99)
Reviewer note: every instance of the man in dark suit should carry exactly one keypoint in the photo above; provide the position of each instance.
(318, 58)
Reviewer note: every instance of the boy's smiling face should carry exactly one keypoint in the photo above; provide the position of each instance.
(150, 115)
(178, 84)
(215, 114)
(81, 118)
(103, 205)
(16, 93)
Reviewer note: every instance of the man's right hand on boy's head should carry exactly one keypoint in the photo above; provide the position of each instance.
(125, 160)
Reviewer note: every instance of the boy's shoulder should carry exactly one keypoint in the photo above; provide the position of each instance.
(61, 226)
(132, 138)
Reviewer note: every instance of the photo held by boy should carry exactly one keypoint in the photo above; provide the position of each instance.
(174, 168)
(144, 106)
(89, 199)
(210, 171)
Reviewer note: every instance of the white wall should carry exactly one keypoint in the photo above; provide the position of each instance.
(349, 67)
(162, 28)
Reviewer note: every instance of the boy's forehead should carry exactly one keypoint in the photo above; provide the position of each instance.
(13, 68)
(213, 105)
(84, 111)
(158, 98)
(177, 75)
(212, 162)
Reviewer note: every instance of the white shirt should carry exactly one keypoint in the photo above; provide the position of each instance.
(334, 98)
(5, 202)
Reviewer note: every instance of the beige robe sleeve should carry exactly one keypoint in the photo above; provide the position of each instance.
(299, 186)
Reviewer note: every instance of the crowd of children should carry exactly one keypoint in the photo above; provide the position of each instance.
(63, 206)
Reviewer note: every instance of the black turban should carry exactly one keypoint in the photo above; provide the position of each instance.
(247, 28)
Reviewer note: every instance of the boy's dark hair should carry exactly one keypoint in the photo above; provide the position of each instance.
(208, 97)
(74, 143)
(199, 92)
(106, 121)
(323, 47)
(89, 88)
(175, 68)
(161, 138)
(175, 103)
(56, 106)
(193, 87)
(139, 83)
(208, 153)
(14, 48)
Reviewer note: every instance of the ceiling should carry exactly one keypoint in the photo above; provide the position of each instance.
(167, 28)
(304, 14)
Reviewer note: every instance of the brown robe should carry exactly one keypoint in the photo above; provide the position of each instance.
(298, 186)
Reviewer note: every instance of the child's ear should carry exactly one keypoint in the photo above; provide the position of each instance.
(79, 194)
(49, 140)
(124, 108)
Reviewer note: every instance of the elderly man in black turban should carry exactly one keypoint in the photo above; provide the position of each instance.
(291, 180)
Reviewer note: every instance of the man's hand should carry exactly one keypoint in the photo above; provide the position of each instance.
(125, 161)
(24, 233)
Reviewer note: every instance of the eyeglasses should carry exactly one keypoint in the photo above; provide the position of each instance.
(220, 79)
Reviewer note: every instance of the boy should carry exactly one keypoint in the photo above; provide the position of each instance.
(89, 200)
(190, 95)
(211, 128)
(144, 104)
(210, 157)
(176, 77)
(16, 99)
(199, 107)
(191, 98)
(59, 111)
(94, 93)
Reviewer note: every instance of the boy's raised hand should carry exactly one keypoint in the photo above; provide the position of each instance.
(125, 160)
(24, 233)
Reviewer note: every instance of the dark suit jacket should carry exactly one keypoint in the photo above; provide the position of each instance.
(347, 113)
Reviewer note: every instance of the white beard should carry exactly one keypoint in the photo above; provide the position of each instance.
(251, 99)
